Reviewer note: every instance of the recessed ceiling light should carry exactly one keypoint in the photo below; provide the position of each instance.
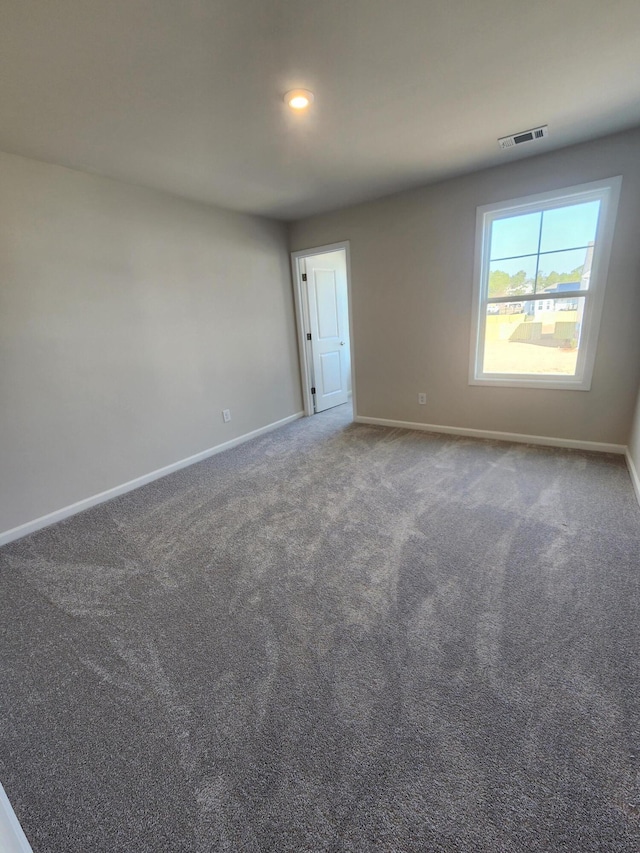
(298, 99)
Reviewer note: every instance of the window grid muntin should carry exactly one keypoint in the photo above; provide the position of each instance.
(533, 254)
(542, 209)
(533, 297)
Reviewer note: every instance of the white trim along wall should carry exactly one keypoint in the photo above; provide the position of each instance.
(633, 473)
(518, 438)
(542, 440)
(12, 837)
(67, 511)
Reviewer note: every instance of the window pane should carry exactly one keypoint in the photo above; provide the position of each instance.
(515, 235)
(568, 227)
(563, 268)
(513, 277)
(539, 337)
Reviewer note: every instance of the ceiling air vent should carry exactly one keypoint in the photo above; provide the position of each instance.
(524, 136)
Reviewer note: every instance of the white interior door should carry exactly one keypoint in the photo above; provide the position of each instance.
(327, 301)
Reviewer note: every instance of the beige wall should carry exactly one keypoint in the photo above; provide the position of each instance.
(411, 263)
(128, 320)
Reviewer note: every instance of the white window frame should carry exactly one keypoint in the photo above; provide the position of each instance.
(606, 191)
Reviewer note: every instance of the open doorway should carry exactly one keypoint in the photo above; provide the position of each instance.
(323, 314)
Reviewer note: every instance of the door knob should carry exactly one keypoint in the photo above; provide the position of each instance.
(341, 343)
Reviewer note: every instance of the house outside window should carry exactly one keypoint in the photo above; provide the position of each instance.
(540, 273)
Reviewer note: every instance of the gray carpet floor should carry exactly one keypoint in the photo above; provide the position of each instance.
(335, 637)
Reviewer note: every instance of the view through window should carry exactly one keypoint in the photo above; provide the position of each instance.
(536, 289)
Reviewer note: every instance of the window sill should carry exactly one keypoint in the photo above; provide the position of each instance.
(545, 384)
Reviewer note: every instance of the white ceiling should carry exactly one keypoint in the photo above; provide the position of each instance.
(186, 95)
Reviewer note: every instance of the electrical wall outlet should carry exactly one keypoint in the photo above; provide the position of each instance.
(422, 399)
(226, 415)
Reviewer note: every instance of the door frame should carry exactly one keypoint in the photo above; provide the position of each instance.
(300, 299)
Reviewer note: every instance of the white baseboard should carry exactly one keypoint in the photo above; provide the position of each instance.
(547, 441)
(12, 838)
(86, 503)
(633, 473)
